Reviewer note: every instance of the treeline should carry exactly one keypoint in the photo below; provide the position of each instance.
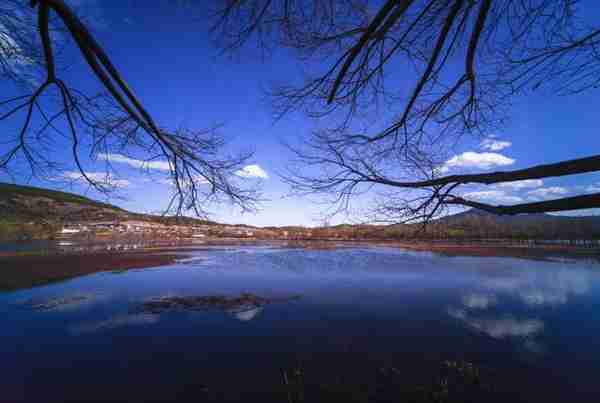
(464, 228)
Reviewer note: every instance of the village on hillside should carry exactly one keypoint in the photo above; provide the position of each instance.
(158, 230)
(148, 228)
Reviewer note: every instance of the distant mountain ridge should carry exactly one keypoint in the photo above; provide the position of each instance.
(535, 225)
(518, 217)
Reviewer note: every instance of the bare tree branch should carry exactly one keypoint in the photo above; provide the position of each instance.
(112, 123)
(462, 62)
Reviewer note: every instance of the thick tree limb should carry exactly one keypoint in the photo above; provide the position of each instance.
(564, 204)
(564, 168)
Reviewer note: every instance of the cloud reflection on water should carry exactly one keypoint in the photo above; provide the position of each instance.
(244, 308)
(499, 328)
(247, 314)
(543, 288)
(490, 310)
(479, 301)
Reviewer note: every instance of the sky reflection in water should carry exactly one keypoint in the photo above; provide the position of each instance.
(501, 312)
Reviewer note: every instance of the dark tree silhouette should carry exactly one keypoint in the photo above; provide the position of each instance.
(41, 107)
(463, 61)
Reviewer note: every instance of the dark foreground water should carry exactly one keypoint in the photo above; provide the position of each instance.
(289, 325)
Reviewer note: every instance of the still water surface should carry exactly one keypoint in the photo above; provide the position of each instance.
(533, 327)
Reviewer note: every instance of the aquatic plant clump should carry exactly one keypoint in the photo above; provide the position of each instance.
(200, 303)
(57, 303)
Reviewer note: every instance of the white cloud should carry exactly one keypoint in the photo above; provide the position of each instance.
(491, 144)
(472, 159)
(252, 171)
(10, 50)
(595, 188)
(524, 184)
(493, 196)
(548, 193)
(102, 178)
(198, 180)
(118, 158)
(249, 171)
(578, 213)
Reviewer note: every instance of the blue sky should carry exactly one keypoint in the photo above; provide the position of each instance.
(165, 53)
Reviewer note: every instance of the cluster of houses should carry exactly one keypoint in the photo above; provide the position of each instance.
(149, 228)
(112, 227)
(159, 230)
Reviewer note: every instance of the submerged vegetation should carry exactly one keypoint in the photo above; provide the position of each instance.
(453, 382)
(59, 302)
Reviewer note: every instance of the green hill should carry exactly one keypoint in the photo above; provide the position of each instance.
(480, 224)
(31, 212)
(7, 190)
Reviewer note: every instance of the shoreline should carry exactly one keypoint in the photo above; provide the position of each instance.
(500, 250)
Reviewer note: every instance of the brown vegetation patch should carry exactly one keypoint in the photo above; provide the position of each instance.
(487, 250)
(32, 270)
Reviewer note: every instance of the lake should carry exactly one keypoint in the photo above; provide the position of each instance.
(279, 324)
